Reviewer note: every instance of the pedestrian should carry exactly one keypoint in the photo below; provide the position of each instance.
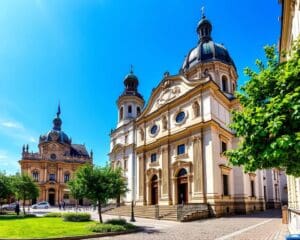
(64, 205)
(59, 206)
(17, 208)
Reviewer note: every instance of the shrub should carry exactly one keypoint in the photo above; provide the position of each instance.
(14, 216)
(120, 221)
(53, 214)
(76, 217)
(104, 228)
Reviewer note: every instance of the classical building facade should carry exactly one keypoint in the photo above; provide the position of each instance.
(290, 31)
(55, 163)
(172, 151)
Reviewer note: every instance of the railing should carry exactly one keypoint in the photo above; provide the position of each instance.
(294, 220)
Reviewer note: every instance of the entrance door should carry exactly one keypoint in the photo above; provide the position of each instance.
(51, 197)
(182, 193)
(182, 187)
(154, 190)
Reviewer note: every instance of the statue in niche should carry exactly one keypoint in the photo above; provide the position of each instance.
(164, 123)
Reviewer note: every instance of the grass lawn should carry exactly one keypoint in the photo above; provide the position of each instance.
(41, 227)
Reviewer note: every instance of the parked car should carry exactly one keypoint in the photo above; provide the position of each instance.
(9, 207)
(41, 205)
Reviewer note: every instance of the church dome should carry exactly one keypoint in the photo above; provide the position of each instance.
(206, 50)
(56, 134)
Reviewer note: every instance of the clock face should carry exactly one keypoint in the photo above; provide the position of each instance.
(54, 135)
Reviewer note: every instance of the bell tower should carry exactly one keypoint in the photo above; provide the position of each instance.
(131, 102)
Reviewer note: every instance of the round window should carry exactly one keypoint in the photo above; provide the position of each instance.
(153, 130)
(53, 156)
(180, 117)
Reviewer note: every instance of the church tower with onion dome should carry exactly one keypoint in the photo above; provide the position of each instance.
(122, 139)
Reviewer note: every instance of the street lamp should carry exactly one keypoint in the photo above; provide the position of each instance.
(132, 219)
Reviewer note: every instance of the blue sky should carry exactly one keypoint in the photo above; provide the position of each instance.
(78, 52)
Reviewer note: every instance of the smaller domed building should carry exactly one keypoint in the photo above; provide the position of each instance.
(55, 163)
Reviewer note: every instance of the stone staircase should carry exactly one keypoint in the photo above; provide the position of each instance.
(171, 213)
(139, 211)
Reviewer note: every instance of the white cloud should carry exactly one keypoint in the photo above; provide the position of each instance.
(17, 132)
(12, 124)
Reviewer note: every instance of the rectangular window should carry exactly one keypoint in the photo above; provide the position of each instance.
(51, 177)
(180, 149)
(153, 157)
(125, 164)
(276, 191)
(223, 147)
(252, 188)
(225, 185)
(35, 176)
(66, 178)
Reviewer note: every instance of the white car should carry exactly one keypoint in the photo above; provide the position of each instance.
(41, 205)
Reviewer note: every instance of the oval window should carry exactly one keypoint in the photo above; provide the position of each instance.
(180, 117)
(153, 130)
(53, 156)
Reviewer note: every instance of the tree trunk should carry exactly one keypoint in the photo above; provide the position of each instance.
(24, 206)
(99, 212)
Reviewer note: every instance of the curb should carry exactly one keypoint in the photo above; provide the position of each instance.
(97, 235)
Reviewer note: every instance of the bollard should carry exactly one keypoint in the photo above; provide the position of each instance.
(284, 210)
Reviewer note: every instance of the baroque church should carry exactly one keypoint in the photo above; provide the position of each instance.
(54, 165)
(171, 150)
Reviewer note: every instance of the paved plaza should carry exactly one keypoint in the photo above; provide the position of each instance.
(258, 226)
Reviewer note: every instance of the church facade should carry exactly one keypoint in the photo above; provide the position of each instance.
(54, 165)
(172, 151)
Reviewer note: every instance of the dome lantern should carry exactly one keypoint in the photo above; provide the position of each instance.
(204, 29)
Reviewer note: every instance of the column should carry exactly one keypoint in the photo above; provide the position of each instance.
(142, 189)
(198, 165)
(165, 173)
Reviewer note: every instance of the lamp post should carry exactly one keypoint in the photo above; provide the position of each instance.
(132, 219)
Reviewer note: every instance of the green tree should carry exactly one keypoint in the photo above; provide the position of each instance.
(268, 121)
(76, 190)
(100, 184)
(25, 188)
(5, 188)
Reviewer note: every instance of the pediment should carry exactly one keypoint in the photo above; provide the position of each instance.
(117, 148)
(170, 89)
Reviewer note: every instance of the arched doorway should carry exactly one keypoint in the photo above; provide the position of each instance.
(154, 190)
(182, 187)
(51, 196)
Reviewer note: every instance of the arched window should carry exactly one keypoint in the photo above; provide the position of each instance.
(224, 84)
(121, 113)
(196, 109)
(138, 111)
(66, 177)
(182, 172)
(129, 109)
(35, 175)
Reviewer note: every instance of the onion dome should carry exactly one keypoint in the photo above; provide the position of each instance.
(206, 50)
(131, 84)
(56, 134)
